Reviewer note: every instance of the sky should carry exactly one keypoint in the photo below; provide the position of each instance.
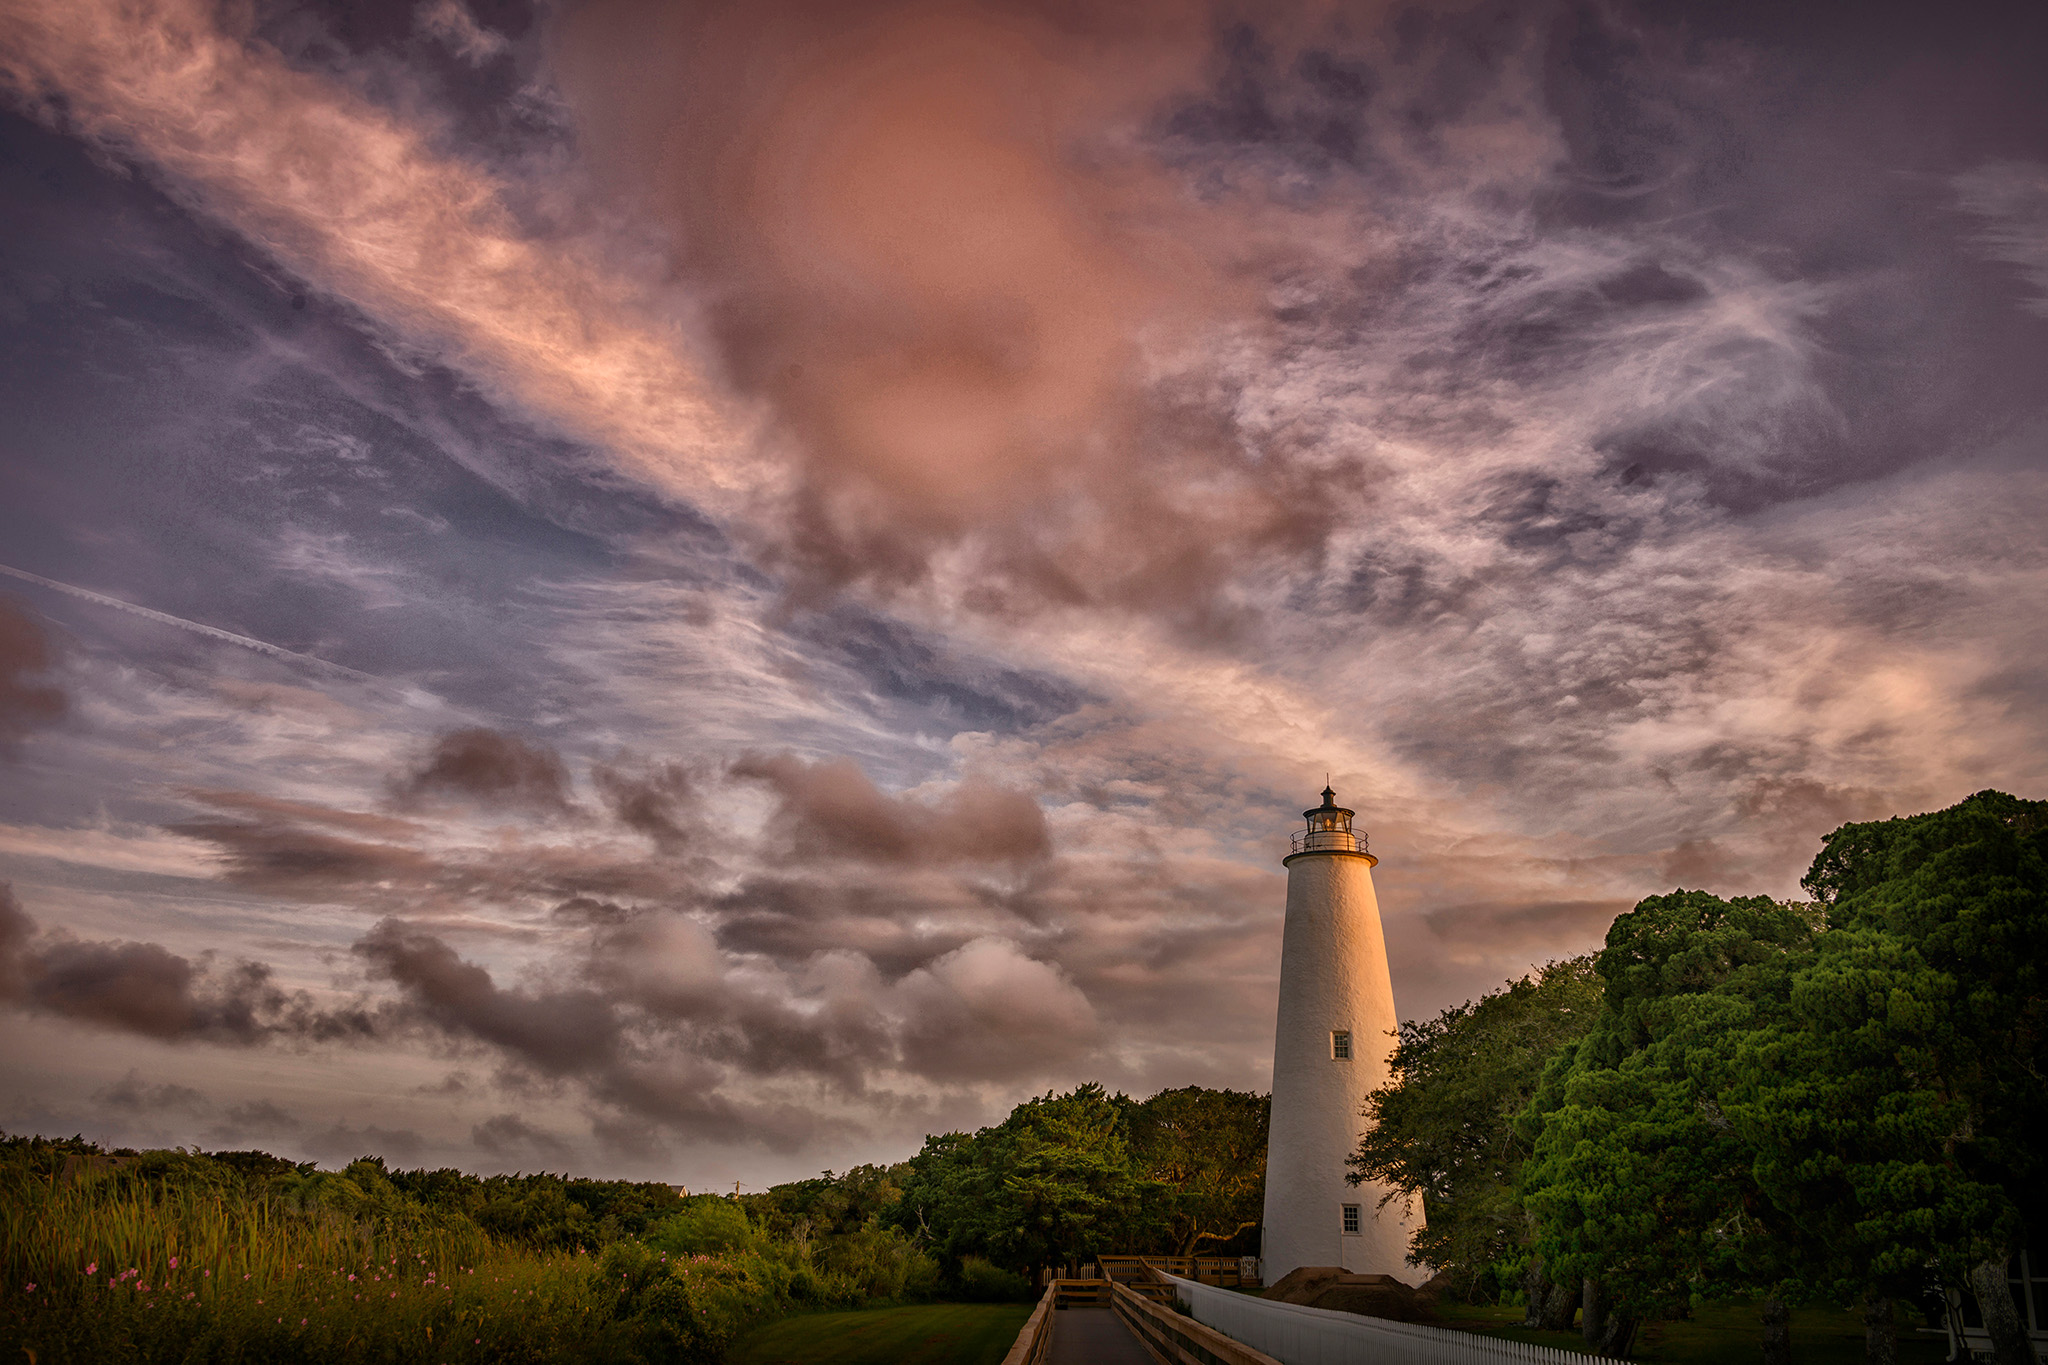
(702, 591)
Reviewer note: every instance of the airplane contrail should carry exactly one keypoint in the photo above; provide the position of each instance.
(212, 632)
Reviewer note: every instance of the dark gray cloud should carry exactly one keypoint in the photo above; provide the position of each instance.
(147, 990)
(275, 855)
(832, 809)
(490, 769)
(557, 1032)
(511, 1138)
(658, 801)
(135, 1095)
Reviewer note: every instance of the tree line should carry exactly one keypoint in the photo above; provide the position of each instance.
(1067, 1177)
(182, 1254)
(1837, 1100)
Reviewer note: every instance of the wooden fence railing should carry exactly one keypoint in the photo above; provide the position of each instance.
(1177, 1339)
(1034, 1343)
(1227, 1271)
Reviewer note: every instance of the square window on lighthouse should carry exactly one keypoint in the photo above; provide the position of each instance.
(1351, 1218)
(1340, 1044)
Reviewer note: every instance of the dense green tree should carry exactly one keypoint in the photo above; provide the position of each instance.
(840, 1224)
(542, 1210)
(706, 1225)
(1895, 1103)
(1443, 1127)
(1054, 1182)
(1208, 1148)
(1638, 1183)
(827, 1205)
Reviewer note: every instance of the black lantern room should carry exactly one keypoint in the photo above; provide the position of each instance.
(1329, 829)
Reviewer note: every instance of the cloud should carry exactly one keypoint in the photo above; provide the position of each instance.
(490, 769)
(269, 1123)
(146, 990)
(2012, 198)
(937, 254)
(556, 1032)
(987, 1011)
(25, 652)
(355, 200)
(1528, 926)
(258, 1120)
(511, 1138)
(341, 1142)
(140, 988)
(134, 1095)
(275, 855)
(658, 801)
(451, 22)
(831, 809)
(448, 854)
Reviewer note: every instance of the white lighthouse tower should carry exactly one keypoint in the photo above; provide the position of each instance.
(1330, 1049)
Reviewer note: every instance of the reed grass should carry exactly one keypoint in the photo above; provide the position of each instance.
(104, 1266)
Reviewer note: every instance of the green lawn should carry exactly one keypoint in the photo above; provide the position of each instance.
(928, 1334)
(1722, 1335)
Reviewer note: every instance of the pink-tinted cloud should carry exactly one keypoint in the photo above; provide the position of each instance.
(831, 809)
(25, 656)
(937, 253)
(491, 769)
(359, 202)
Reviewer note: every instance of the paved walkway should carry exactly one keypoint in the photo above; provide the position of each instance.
(1094, 1336)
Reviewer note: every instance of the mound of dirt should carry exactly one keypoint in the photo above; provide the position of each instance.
(1374, 1296)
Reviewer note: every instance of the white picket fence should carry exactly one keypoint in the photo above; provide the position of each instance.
(1295, 1335)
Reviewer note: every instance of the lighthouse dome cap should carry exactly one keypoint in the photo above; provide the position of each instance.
(1329, 805)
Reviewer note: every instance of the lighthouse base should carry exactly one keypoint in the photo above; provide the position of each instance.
(1334, 1288)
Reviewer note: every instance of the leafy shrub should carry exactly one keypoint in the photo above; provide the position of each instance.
(707, 1224)
(981, 1282)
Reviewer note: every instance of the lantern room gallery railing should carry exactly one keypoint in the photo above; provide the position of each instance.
(1329, 841)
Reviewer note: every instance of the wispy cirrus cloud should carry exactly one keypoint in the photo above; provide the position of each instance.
(357, 201)
(2012, 199)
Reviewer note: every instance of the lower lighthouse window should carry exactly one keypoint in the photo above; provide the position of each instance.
(1351, 1218)
(1340, 1044)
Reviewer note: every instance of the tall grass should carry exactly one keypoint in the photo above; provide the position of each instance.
(100, 1267)
(138, 1265)
(243, 1257)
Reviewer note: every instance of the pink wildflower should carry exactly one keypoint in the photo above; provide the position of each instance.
(207, 1273)
(174, 1263)
(31, 1287)
(92, 1268)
